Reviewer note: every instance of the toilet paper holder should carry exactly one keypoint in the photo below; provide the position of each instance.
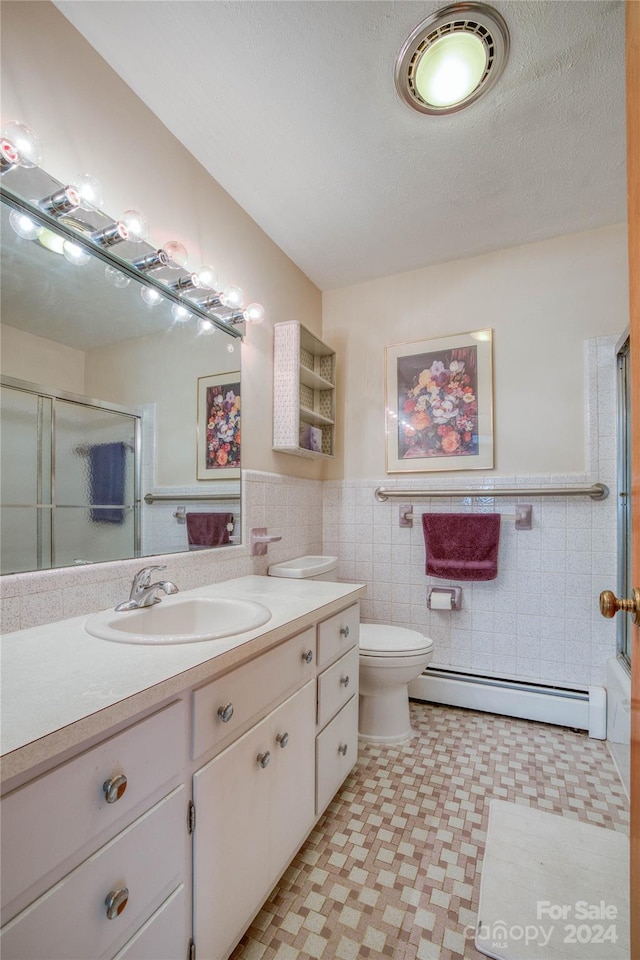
(452, 594)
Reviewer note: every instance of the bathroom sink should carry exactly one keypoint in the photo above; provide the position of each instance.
(179, 620)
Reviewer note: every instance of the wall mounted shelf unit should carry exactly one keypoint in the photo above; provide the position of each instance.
(303, 392)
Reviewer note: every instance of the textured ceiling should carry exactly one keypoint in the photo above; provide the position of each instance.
(291, 106)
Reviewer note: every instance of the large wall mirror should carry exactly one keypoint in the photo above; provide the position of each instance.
(106, 382)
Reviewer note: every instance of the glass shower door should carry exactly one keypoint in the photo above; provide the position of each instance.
(25, 478)
(69, 479)
(94, 482)
(624, 499)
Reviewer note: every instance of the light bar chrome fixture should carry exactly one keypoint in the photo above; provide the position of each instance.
(20, 147)
(173, 254)
(64, 200)
(131, 226)
(253, 314)
(452, 58)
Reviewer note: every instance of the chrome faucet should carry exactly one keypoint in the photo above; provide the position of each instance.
(143, 592)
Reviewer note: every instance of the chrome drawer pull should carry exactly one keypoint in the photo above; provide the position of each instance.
(225, 713)
(116, 902)
(344, 631)
(343, 749)
(345, 681)
(308, 656)
(263, 758)
(114, 787)
(282, 739)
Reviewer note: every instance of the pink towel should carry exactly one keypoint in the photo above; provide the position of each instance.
(208, 529)
(462, 546)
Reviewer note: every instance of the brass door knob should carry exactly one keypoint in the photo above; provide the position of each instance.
(610, 604)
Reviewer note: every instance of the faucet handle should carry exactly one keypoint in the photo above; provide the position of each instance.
(143, 577)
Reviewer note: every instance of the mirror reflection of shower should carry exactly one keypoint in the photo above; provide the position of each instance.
(70, 480)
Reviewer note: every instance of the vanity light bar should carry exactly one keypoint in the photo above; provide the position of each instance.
(20, 147)
(105, 254)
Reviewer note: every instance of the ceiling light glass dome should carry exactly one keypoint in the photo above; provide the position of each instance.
(452, 58)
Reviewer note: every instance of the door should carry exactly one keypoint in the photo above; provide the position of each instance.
(633, 188)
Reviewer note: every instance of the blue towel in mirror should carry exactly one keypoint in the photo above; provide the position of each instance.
(107, 481)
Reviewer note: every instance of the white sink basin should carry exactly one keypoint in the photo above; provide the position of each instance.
(179, 620)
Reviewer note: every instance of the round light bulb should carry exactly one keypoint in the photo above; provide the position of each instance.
(208, 277)
(25, 141)
(75, 254)
(232, 297)
(90, 191)
(137, 226)
(117, 277)
(206, 327)
(24, 226)
(176, 253)
(451, 69)
(180, 313)
(151, 296)
(254, 313)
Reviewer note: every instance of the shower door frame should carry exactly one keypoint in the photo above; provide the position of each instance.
(41, 391)
(632, 30)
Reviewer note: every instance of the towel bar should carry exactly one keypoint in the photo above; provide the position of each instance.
(522, 516)
(598, 491)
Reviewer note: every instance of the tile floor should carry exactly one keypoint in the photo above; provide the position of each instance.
(392, 869)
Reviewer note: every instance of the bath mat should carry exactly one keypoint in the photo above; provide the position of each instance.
(552, 888)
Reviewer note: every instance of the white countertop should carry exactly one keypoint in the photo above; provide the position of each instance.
(61, 686)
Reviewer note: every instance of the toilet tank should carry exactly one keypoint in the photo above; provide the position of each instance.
(306, 568)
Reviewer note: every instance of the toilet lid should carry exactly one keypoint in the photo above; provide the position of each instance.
(383, 640)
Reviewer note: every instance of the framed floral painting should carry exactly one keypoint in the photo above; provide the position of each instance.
(439, 404)
(219, 427)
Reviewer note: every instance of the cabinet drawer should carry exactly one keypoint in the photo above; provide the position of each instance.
(338, 634)
(336, 753)
(249, 691)
(70, 921)
(47, 821)
(336, 685)
(165, 934)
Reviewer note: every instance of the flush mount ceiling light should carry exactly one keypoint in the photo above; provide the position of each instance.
(452, 58)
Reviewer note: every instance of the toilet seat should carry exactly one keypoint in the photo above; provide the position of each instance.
(383, 640)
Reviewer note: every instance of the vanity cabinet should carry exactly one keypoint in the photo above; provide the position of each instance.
(304, 376)
(177, 827)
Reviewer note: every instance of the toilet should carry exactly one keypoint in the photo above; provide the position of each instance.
(390, 657)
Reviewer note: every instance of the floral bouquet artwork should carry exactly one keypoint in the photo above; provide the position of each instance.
(219, 438)
(439, 404)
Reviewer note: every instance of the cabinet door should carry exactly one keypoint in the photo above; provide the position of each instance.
(251, 815)
(293, 786)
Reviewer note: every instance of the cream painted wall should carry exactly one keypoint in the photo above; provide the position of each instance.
(89, 120)
(542, 301)
(41, 361)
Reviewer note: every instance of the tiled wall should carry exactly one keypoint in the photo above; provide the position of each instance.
(539, 619)
(286, 506)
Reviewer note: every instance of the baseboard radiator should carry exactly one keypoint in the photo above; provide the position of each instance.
(584, 709)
